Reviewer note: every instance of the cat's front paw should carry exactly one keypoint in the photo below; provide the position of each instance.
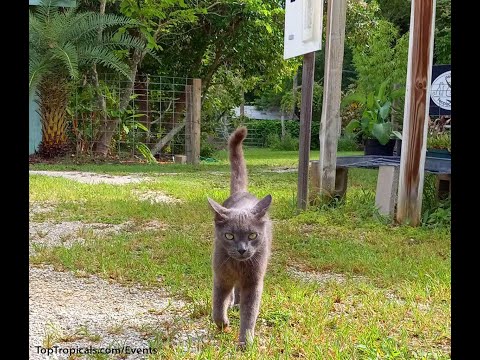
(242, 345)
(223, 325)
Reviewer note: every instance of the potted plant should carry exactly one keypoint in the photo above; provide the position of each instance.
(438, 139)
(375, 126)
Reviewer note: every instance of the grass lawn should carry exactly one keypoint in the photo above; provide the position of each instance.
(393, 301)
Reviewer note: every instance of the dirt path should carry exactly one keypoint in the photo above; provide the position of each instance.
(72, 312)
(78, 312)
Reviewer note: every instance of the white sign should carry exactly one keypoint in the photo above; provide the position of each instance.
(441, 91)
(303, 27)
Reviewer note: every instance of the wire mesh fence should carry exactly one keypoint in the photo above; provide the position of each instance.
(130, 121)
(227, 125)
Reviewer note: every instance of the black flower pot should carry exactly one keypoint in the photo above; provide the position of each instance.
(397, 149)
(373, 147)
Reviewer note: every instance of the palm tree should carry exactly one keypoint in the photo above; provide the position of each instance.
(63, 43)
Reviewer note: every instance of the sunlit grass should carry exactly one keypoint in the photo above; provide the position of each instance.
(394, 302)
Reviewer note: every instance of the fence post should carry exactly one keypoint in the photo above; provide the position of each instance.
(305, 128)
(188, 122)
(415, 118)
(330, 123)
(192, 130)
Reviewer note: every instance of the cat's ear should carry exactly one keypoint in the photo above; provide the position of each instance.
(260, 209)
(220, 212)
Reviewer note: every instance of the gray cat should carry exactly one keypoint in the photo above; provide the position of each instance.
(243, 236)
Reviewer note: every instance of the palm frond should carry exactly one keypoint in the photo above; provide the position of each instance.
(124, 41)
(67, 54)
(100, 55)
(87, 26)
(37, 68)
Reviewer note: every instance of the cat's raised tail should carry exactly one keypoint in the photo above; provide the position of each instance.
(238, 176)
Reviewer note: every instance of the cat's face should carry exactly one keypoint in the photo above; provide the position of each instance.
(241, 232)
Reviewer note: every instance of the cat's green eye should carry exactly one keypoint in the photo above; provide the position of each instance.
(229, 236)
(252, 236)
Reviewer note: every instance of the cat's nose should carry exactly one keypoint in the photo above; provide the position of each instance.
(241, 251)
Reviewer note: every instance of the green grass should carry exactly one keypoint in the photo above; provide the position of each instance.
(394, 304)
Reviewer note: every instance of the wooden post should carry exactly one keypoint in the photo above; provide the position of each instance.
(193, 138)
(419, 72)
(294, 93)
(387, 186)
(330, 122)
(188, 122)
(314, 182)
(305, 128)
(341, 182)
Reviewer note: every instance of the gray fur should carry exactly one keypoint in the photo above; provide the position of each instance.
(239, 264)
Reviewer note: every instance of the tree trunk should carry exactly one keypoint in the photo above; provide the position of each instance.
(52, 100)
(102, 104)
(108, 126)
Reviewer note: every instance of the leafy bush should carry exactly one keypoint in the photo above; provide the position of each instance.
(435, 212)
(375, 121)
(207, 150)
(348, 143)
(259, 130)
(382, 55)
(288, 143)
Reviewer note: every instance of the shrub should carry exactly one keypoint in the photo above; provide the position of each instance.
(348, 143)
(259, 130)
(288, 143)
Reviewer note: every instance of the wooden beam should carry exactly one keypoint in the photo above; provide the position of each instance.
(188, 122)
(387, 190)
(330, 121)
(414, 137)
(194, 137)
(305, 128)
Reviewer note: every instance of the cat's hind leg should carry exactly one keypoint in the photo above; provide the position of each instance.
(236, 296)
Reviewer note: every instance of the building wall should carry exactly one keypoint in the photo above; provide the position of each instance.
(34, 125)
(252, 112)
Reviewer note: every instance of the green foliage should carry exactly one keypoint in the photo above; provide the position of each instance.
(146, 153)
(375, 121)
(66, 42)
(443, 33)
(362, 18)
(288, 143)
(223, 95)
(246, 36)
(207, 148)
(383, 55)
(439, 141)
(436, 213)
(348, 142)
(261, 129)
(397, 12)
